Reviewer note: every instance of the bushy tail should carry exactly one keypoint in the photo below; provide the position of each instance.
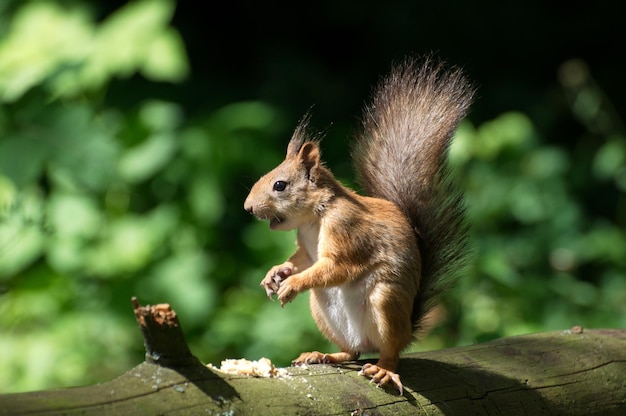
(401, 155)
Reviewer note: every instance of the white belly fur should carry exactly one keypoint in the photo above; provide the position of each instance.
(347, 314)
(346, 307)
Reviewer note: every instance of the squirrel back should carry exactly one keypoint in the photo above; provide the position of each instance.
(400, 154)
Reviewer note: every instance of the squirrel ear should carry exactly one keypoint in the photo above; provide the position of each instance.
(309, 157)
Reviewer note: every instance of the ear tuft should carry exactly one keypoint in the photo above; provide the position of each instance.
(299, 136)
(305, 150)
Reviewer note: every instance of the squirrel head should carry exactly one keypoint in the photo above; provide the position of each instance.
(289, 195)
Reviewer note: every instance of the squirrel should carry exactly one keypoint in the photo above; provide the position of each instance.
(374, 265)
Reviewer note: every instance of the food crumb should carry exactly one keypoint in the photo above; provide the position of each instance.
(261, 368)
(577, 329)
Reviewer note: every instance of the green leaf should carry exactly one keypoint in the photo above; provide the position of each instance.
(129, 40)
(22, 159)
(73, 215)
(166, 59)
(21, 233)
(131, 242)
(160, 115)
(43, 37)
(609, 159)
(145, 160)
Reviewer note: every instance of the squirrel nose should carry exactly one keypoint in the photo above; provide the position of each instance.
(248, 207)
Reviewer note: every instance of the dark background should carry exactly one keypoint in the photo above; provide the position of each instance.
(329, 53)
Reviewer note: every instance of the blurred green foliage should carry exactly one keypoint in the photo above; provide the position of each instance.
(98, 204)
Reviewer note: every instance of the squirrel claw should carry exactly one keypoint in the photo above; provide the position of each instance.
(286, 293)
(381, 376)
(270, 292)
(270, 288)
(273, 280)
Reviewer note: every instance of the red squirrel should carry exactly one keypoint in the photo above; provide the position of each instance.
(376, 264)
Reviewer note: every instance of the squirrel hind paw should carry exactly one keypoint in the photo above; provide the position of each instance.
(314, 357)
(381, 376)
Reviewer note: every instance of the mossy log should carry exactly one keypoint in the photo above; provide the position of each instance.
(571, 372)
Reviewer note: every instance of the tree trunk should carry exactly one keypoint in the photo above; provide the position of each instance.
(572, 372)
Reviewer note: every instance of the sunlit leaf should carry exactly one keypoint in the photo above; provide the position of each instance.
(128, 40)
(185, 279)
(72, 215)
(609, 159)
(512, 131)
(206, 200)
(166, 59)
(130, 242)
(65, 50)
(144, 160)
(43, 36)
(252, 115)
(160, 115)
(21, 234)
(545, 163)
(8, 194)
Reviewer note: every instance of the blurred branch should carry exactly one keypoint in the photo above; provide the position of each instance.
(575, 372)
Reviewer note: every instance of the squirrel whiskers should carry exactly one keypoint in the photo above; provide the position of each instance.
(374, 264)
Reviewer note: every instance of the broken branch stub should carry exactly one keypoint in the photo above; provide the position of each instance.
(163, 337)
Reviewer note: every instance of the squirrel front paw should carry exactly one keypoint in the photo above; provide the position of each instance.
(288, 290)
(275, 277)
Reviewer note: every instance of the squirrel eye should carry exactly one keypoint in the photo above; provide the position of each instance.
(280, 186)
